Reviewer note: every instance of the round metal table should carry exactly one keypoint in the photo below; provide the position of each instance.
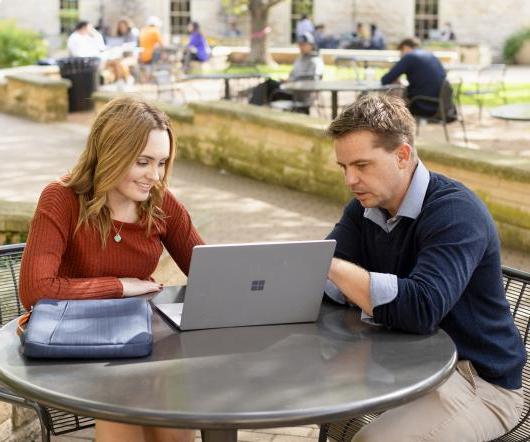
(248, 377)
(336, 86)
(514, 112)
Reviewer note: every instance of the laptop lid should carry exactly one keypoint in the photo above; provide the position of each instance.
(233, 285)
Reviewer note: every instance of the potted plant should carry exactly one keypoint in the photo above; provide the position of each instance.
(517, 47)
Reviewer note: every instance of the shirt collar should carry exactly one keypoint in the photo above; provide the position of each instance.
(413, 200)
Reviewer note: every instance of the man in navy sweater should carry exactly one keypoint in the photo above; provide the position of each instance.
(417, 251)
(425, 75)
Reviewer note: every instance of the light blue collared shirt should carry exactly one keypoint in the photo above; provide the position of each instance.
(383, 286)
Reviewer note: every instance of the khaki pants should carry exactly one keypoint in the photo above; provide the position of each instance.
(464, 408)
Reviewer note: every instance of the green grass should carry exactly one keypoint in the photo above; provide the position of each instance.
(514, 92)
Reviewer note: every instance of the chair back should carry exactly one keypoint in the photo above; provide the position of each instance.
(490, 79)
(446, 102)
(10, 306)
(517, 288)
(52, 420)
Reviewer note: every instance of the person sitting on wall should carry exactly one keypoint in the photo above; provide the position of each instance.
(85, 41)
(197, 48)
(447, 33)
(323, 40)
(377, 39)
(150, 40)
(308, 66)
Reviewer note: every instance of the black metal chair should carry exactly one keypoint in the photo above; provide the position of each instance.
(517, 288)
(52, 420)
(490, 83)
(447, 111)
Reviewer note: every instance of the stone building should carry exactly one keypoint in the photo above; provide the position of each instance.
(473, 21)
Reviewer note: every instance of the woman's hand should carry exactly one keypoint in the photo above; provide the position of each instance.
(136, 287)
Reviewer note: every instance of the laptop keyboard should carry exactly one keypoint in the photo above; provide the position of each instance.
(172, 311)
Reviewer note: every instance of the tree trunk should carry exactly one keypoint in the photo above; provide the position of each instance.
(259, 14)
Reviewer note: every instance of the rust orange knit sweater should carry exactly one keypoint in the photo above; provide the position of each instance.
(60, 265)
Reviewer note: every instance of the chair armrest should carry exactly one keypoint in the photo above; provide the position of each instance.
(424, 98)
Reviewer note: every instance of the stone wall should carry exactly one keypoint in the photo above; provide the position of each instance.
(487, 22)
(34, 96)
(291, 150)
(18, 424)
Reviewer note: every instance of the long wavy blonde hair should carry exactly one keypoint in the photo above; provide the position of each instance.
(118, 136)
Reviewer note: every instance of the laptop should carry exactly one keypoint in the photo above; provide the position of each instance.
(233, 285)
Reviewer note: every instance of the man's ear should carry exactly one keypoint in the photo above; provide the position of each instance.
(404, 155)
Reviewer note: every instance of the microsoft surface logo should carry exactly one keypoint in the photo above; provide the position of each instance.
(257, 285)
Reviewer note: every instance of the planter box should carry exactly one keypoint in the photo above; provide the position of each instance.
(523, 55)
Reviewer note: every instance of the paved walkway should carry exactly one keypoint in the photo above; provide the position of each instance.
(227, 208)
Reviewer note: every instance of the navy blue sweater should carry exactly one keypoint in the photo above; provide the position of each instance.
(447, 261)
(425, 75)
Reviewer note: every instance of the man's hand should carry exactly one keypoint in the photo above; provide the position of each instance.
(353, 281)
(136, 287)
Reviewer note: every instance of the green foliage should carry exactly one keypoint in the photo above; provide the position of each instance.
(19, 47)
(235, 7)
(514, 43)
(302, 7)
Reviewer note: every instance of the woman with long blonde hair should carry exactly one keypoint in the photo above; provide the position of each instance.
(98, 232)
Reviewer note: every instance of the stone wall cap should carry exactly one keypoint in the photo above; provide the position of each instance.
(509, 167)
(176, 112)
(40, 80)
(289, 121)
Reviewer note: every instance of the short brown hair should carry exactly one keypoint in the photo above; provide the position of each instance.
(411, 42)
(386, 116)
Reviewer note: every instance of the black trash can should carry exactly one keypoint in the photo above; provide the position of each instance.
(82, 72)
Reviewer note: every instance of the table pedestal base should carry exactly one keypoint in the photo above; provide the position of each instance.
(219, 435)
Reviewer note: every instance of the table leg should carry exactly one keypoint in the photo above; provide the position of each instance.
(227, 89)
(219, 435)
(334, 104)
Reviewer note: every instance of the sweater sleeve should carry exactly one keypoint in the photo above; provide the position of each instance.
(394, 73)
(47, 241)
(452, 240)
(181, 236)
(347, 233)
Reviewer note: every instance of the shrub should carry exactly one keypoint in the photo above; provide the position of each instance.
(514, 43)
(19, 46)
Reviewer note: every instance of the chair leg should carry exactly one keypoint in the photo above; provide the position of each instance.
(446, 132)
(464, 130)
(323, 434)
(44, 431)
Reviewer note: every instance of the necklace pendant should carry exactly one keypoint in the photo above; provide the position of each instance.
(117, 237)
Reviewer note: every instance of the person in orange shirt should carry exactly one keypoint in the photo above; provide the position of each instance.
(150, 41)
(99, 231)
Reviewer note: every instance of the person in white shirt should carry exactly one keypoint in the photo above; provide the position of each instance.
(85, 41)
(304, 26)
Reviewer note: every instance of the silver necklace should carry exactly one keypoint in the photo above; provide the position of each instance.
(117, 237)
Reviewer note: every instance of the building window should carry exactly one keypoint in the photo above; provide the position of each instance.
(179, 16)
(68, 15)
(298, 9)
(426, 18)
